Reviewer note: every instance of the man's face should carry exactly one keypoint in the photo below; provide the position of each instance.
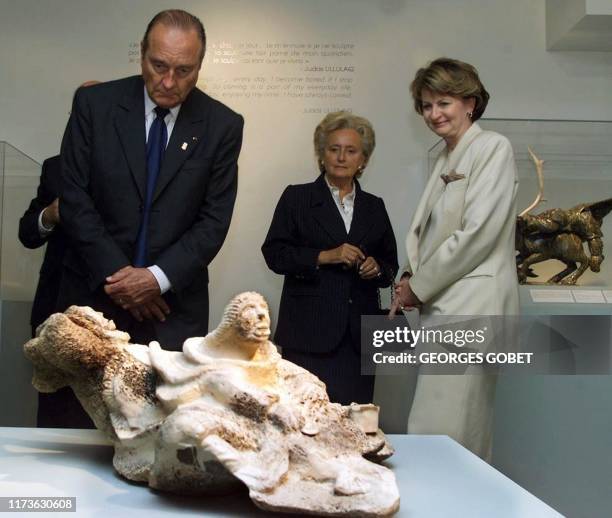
(171, 64)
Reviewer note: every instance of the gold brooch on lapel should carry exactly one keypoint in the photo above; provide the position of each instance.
(453, 176)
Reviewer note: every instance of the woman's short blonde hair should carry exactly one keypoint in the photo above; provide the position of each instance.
(344, 120)
(448, 76)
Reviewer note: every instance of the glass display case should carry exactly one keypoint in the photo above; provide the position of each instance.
(19, 267)
(577, 169)
(19, 177)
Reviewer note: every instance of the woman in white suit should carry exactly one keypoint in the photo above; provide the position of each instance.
(460, 245)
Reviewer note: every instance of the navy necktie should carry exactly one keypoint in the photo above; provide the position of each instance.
(156, 145)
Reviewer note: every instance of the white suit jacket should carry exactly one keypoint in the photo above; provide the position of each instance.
(462, 259)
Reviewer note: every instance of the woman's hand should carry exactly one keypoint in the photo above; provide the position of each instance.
(403, 297)
(346, 254)
(369, 269)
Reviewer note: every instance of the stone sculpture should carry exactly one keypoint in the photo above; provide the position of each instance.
(224, 411)
(560, 234)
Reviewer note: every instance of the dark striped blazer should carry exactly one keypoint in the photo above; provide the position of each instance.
(318, 303)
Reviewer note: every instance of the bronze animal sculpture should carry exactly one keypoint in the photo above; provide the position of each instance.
(560, 234)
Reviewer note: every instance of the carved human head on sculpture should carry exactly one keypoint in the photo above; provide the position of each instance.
(254, 317)
(248, 315)
(345, 124)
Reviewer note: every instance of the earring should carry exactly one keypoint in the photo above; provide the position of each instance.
(469, 114)
(361, 169)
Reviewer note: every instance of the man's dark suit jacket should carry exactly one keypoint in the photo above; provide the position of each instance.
(319, 303)
(51, 270)
(104, 181)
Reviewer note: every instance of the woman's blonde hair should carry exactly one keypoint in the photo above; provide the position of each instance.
(344, 120)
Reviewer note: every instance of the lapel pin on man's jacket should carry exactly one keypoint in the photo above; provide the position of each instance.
(184, 146)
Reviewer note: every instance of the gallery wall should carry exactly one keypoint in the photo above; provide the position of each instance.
(50, 47)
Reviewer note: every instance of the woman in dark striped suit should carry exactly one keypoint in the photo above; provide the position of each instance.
(334, 244)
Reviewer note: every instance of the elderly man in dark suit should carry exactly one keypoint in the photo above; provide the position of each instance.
(149, 169)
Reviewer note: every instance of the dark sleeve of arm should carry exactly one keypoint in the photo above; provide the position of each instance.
(200, 244)
(28, 224)
(80, 218)
(283, 250)
(386, 254)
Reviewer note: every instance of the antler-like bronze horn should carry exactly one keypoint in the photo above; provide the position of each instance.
(539, 164)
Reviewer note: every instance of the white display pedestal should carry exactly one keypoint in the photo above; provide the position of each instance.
(437, 479)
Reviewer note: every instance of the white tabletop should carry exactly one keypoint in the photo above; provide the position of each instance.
(436, 476)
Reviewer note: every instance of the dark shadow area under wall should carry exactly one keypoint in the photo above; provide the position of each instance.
(18, 399)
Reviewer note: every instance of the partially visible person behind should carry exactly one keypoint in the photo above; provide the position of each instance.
(460, 245)
(41, 225)
(335, 246)
(150, 175)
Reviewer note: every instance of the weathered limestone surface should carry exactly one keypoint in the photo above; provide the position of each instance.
(226, 410)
